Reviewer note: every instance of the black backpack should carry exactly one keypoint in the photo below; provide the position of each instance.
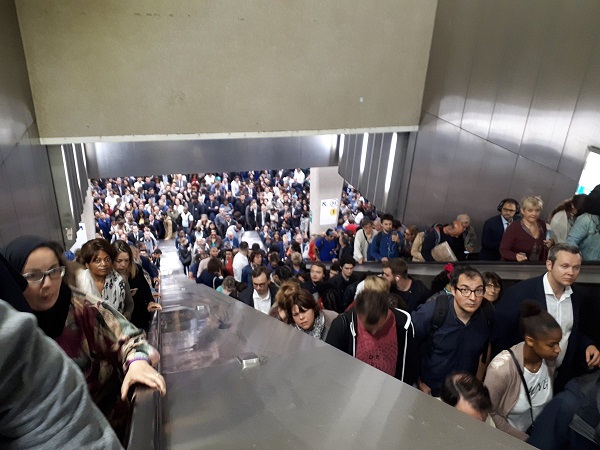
(437, 229)
(440, 314)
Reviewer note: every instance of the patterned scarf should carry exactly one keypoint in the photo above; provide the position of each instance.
(318, 327)
(113, 292)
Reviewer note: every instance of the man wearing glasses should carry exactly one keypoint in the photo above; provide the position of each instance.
(462, 337)
(261, 295)
(494, 228)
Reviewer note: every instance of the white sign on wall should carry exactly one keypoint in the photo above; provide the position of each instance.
(329, 211)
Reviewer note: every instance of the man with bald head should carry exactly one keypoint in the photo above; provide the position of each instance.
(450, 233)
(469, 236)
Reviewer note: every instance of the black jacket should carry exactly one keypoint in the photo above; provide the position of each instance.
(493, 230)
(339, 283)
(343, 335)
(507, 334)
(415, 296)
(247, 294)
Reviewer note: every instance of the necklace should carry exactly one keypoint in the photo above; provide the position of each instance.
(533, 368)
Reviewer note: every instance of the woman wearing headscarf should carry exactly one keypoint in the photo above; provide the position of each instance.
(109, 350)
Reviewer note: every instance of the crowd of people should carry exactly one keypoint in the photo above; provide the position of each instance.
(510, 357)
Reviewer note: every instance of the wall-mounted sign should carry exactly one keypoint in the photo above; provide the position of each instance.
(329, 211)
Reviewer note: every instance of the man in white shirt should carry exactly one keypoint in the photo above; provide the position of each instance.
(556, 293)
(240, 260)
(261, 295)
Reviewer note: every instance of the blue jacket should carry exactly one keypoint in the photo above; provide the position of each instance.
(326, 249)
(585, 234)
(382, 246)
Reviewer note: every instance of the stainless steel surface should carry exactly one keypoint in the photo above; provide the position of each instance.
(522, 53)
(302, 394)
(585, 118)
(28, 203)
(109, 159)
(449, 60)
(372, 182)
(510, 104)
(70, 184)
(485, 71)
(569, 42)
(435, 151)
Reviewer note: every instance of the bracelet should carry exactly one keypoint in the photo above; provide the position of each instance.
(136, 358)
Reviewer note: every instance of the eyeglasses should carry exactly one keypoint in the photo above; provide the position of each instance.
(99, 261)
(259, 285)
(509, 210)
(466, 292)
(491, 286)
(38, 276)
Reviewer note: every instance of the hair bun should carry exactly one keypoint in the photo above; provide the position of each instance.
(530, 308)
(288, 290)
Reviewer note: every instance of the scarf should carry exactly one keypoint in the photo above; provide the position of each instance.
(113, 292)
(318, 327)
(52, 321)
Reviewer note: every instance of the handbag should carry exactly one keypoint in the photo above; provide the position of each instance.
(530, 429)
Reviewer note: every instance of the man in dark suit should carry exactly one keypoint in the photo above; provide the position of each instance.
(494, 228)
(261, 295)
(555, 293)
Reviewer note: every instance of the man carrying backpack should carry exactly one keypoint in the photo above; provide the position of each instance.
(454, 330)
(450, 233)
(388, 242)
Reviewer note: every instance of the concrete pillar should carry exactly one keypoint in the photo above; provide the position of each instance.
(325, 191)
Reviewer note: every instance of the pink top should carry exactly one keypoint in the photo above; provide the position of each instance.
(379, 350)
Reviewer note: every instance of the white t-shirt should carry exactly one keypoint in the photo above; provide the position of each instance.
(239, 262)
(540, 389)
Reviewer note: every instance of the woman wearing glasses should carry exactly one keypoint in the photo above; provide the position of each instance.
(106, 347)
(493, 287)
(100, 280)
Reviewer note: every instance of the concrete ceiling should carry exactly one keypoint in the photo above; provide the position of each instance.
(163, 70)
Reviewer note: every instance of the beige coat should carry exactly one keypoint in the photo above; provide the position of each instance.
(504, 383)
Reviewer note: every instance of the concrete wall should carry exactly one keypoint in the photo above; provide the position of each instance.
(149, 69)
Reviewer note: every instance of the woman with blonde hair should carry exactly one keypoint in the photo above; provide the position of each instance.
(525, 239)
(379, 284)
